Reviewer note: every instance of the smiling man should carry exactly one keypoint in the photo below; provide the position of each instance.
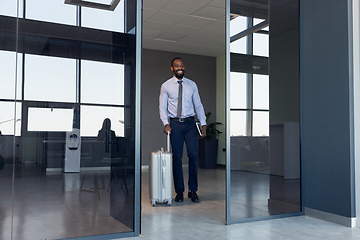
(178, 98)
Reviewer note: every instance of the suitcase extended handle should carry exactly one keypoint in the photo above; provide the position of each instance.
(168, 141)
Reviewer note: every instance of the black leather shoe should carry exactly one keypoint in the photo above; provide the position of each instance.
(194, 197)
(179, 197)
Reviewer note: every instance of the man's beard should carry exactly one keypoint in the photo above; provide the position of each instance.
(179, 75)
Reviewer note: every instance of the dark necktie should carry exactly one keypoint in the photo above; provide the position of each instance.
(179, 107)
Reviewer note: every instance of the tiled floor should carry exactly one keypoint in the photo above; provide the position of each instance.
(206, 220)
(249, 197)
(50, 206)
(294, 228)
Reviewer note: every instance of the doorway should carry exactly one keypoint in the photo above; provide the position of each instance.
(253, 105)
(195, 32)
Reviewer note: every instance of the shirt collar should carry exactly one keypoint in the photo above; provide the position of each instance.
(175, 79)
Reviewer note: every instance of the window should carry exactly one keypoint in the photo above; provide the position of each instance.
(237, 123)
(8, 119)
(7, 76)
(238, 90)
(50, 78)
(92, 118)
(50, 119)
(238, 25)
(102, 83)
(260, 91)
(55, 11)
(249, 92)
(261, 46)
(110, 20)
(9, 8)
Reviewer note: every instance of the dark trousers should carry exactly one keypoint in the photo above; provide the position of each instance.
(180, 132)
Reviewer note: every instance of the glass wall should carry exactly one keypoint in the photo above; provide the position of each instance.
(263, 114)
(67, 129)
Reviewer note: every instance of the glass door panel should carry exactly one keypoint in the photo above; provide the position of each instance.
(10, 125)
(263, 169)
(10, 115)
(67, 121)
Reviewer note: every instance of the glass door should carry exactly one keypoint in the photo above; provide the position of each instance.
(263, 161)
(69, 120)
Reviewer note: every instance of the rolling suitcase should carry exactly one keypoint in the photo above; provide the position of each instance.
(160, 176)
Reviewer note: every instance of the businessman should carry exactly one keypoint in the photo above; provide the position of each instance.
(179, 97)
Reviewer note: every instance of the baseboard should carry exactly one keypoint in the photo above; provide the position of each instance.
(330, 217)
(82, 169)
(147, 166)
(283, 206)
(220, 166)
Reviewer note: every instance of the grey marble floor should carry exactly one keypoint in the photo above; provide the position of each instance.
(50, 206)
(55, 205)
(206, 220)
(294, 228)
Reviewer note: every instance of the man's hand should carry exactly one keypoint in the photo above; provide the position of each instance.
(167, 129)
(203, 131)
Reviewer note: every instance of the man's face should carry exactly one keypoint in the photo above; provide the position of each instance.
(178, 68)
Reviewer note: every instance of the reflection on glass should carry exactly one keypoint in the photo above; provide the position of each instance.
(249, 177)
(238, 123)
(239, 46)
(90, 177)
(50, 119)
(238, 25)
(261, 91)
(50, 78)
(9, 8)
(101, 1)
(55, 11)
(102, 83)
(7, 76)
(8, 119)
(110, 20)
(264, 160)
(261, 45)
(257, 21)
(92, 118)
(260, 123)
(238, 89)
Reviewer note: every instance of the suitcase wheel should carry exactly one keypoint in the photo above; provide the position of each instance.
(153, 203)
(169, 203)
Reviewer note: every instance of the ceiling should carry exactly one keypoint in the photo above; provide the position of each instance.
(191, 26)
(198, 26)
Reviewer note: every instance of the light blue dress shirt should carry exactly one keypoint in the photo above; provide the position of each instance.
(168, 100)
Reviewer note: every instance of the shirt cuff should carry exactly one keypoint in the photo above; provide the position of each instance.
(203, 123)
(165, 122)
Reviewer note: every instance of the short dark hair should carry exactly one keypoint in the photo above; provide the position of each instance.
(174, 60)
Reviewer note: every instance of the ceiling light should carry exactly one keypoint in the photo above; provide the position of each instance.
(110, 7)
(164, 40)
(212, 19)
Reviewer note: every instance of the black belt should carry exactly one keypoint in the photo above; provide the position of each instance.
(182, 119)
